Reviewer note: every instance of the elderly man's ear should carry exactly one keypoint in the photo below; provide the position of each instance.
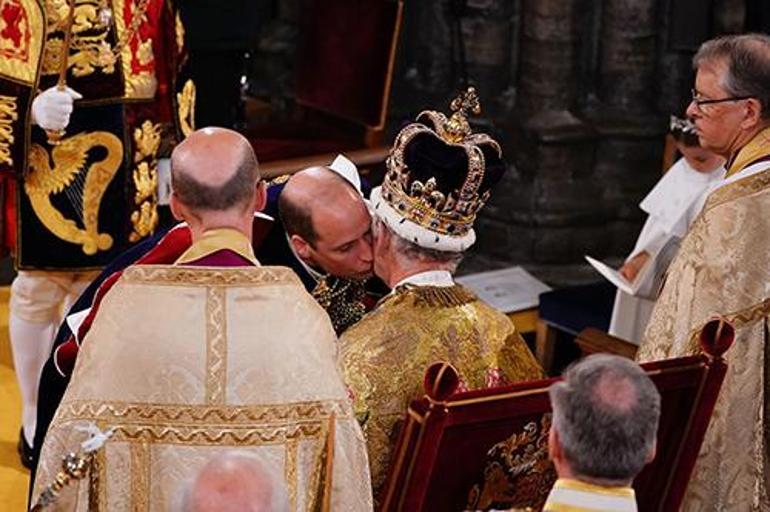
(753, 113)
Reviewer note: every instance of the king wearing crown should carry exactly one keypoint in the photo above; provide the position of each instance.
(439, 175)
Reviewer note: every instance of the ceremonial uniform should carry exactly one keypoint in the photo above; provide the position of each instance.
(71, 207)
(721, 268)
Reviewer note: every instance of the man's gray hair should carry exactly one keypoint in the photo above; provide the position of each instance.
(606, 413)
(408, 249)
(748, 65)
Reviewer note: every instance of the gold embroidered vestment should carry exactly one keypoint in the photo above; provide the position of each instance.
(385, 355)
(184, 362)
(722, 268)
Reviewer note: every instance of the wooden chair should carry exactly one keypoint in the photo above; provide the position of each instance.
(344, 71)
(488, 448)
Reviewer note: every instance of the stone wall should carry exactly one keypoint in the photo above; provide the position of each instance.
(578, 92)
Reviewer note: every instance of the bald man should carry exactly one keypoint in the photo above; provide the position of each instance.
(238, 482)
(200, 354)
(217, 189)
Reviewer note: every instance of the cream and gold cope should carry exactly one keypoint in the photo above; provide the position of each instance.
(201, 360)
(722, 269)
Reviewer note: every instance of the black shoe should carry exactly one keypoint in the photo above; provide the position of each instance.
(25, 451)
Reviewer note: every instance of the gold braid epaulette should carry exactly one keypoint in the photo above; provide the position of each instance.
(437, 296)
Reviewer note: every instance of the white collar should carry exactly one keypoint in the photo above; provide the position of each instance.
(441, 278)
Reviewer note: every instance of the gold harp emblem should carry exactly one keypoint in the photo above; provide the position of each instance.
(88, 186)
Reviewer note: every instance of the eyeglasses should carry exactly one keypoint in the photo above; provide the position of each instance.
(700, 102)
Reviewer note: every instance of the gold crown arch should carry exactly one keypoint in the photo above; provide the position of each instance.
(449, 214)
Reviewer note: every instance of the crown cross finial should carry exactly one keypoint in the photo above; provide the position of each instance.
(465, 104)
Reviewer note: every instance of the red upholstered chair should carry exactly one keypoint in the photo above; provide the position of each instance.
(489, 448)
(344, 71)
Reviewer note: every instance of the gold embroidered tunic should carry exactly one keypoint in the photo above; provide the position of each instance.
(385, 355)
(722, 268)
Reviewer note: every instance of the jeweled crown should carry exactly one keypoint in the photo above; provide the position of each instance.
(448, 212)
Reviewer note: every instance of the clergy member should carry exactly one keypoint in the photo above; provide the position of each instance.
(439, 176)
(209, 354)
(671, 206)
(722, 268)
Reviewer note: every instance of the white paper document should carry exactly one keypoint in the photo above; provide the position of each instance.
(618, 280)
(508, 290)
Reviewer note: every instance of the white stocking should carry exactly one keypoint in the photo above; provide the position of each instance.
(31, 343)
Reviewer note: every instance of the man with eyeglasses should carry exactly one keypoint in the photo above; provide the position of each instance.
(722, 268)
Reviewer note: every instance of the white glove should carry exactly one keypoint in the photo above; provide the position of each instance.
(51, 108)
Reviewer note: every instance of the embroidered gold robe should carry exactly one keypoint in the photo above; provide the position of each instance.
(722, 268)
(186, 362)
(385, 355)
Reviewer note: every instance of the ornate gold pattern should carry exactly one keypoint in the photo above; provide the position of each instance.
(291, 472)
(140, 478)
(743, 187)
(186, 111)
(422, 203)
(236, 416)
(384, 356)
(69, 159)
(144, 53)
(721, 267)
(202, 276)
(179, 32)
(216, 346)
(144, 219)
(518, 472)
(138, 84)
(342, 299)
(8, 115)
(21, 40)
(89, 49)
(96, 487)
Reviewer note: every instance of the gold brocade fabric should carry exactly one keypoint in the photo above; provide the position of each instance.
(186, 362)
(722, 268)
(385, 355)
